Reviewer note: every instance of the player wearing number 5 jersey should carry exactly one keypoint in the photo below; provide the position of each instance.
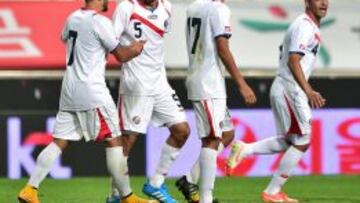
(87, 109)
(290, 96)
(208, 31)
(145, 94)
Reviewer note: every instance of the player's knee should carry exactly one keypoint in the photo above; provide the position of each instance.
(301, 142)
(180, 131)
(228, 137)
(210, 142)
(62, 144)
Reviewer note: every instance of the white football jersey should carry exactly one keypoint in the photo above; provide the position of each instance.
(145, 74)
(206, 20)
(89, 37)
(302, 37)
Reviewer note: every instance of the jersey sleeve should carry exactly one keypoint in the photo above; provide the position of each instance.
(220, 20)
(168, 22)
(105, 32)
(121, 17)
(300, 38)
(64, 33)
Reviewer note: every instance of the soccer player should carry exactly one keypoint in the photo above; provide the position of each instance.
(290, 96)
(145, 94)
(208, 31)
(87, 109)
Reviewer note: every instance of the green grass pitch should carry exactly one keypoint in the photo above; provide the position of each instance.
(327, 189)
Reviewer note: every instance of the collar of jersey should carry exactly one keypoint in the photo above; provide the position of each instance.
(88, 10)
(149, 9)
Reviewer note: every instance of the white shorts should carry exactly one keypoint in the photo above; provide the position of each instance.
(96, 124)
(212, 117)
(136, 111)
(291, 111)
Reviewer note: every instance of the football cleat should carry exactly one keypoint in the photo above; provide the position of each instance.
(189, 190)
(132, 198)
(28, 194)
(113, 199)
(278, 197)
(161, 194)
(235, 157)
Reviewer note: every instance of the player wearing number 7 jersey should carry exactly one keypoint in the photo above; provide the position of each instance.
(145, 94)
(87, 109)
(208, 31)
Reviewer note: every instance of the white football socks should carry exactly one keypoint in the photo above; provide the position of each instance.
(194, 175)
(288, 162)
(44, 163)
(270, 145)
(167, 158)
(207, 174)
(118, 169)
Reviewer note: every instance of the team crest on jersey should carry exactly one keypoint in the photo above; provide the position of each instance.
(227, 28)
(153, 17)
(302, 47)
(136, 119)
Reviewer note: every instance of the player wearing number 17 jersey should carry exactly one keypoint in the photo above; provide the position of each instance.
(87, 109)
(145, 94)
(290, 96)
(208, 31)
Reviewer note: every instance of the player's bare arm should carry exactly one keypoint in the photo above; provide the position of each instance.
(315, 98)
(222, 44)
(126, 53)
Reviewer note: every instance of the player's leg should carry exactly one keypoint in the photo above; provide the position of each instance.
(210, 122)
(65, 129)
(134, 113)
(188, 184)
(298, 135)
(128, 140)
(272, 145)
(167, 112)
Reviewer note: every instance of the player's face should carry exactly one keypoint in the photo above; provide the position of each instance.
(105, 5)
(318, 7)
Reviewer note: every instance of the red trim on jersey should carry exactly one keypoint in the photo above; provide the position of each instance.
(136, 16)
(210, 120)
(294, 125)
(104, 131)
(131, 1)
(121, 121)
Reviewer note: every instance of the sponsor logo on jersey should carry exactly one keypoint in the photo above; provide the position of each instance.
(227, 28)
(153, 17)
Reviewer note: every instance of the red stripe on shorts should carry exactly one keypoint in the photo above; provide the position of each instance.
(294, 126)
(210, 120)
(104, 128)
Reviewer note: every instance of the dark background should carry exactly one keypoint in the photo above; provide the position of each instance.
(35, 100)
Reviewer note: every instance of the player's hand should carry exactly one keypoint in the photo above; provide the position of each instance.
(315, 99)
(137, 46)
(248, 94)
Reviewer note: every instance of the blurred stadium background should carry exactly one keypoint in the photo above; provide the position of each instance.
(32, 62)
